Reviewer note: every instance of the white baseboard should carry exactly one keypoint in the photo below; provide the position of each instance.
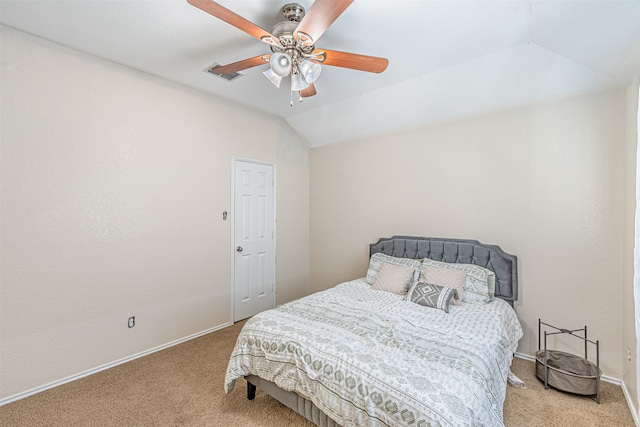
(605, 378)
(627, 396)
(68, 379)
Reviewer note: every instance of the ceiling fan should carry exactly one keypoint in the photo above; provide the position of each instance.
(292, 43)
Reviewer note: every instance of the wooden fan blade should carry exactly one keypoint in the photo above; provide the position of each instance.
(310, 91)
(319, 17)
(232, 18)
(354, 61)
(242, 65)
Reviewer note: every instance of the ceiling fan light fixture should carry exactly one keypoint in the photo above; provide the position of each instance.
(280, 63)
(273, 77)
(298, 83)
(310, 70)
(292, 42)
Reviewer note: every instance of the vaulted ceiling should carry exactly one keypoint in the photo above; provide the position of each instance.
(447, 59)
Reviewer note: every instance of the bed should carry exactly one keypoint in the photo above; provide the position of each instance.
(355, 355)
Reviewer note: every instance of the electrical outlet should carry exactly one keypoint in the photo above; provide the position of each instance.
(629, 353)
(132, 322)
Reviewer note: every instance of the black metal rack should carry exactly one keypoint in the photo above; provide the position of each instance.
(572, 380)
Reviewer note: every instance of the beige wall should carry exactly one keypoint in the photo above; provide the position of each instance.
(113, 185)
(545, 183)
(629, 373)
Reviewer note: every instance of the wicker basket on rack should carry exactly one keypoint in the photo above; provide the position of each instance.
(568, 372)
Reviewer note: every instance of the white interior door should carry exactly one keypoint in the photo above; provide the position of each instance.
(254, 238)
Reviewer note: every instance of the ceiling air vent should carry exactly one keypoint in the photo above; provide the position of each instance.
(229, 77)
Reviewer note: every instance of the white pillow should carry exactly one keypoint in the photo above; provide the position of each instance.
(479, 285)
(446, 277)
(394, 278)
(377, 259)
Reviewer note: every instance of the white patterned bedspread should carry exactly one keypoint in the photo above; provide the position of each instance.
(368, 358)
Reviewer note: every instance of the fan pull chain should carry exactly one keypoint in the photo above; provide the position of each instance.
(291, 93)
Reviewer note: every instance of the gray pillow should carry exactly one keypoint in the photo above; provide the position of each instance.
(430, 295)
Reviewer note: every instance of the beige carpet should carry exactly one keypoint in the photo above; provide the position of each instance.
(183, 386)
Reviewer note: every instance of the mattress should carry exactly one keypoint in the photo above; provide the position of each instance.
(368, 358)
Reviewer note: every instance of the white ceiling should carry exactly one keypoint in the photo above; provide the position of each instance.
(447, 59)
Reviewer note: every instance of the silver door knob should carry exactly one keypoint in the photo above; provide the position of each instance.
(239, 249)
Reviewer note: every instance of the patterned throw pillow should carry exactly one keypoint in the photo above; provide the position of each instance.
(393, 278)
(445, 277)
(378, 259)
(480, 284)
(430, 295)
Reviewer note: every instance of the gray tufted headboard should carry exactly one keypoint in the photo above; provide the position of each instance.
(457, 251)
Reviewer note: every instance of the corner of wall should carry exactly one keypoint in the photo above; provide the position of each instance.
(630, 309)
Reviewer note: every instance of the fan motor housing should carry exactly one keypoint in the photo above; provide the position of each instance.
(284, 28)
(293, 12)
